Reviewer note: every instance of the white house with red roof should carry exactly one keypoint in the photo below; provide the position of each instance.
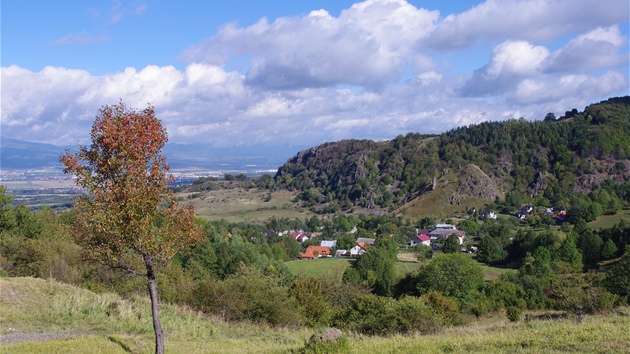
(420, 239)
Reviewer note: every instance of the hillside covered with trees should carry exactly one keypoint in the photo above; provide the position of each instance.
(544, 161)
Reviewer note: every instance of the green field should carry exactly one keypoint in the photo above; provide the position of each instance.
(334, 267)
(107, 323)
(608, 221)
(320, 267)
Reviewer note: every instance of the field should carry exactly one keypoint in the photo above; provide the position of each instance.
(55, 193)
(334, 267)
(608, 221)
(43, 316)
(320, 267)
(246, 205)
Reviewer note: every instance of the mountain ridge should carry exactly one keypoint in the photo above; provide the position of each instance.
(547, 160)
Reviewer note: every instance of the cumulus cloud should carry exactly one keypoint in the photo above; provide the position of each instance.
(366, 45)
(510, 62)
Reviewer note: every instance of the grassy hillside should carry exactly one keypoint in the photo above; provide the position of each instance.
(608, 221)
(455, 191)
(105, 323)
(246, 205)
(94, 321)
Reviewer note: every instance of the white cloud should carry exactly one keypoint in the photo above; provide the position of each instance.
(599, 48)
(579, 87)
(528, 20)
(366, 45)
(510, 62)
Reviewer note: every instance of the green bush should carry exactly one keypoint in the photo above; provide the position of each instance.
(375, 315)
(514, 313)
(248, 295)
(445, 307)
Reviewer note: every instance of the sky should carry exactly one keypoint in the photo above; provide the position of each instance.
(273, 73)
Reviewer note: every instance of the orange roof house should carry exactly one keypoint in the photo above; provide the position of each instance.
(313, 252)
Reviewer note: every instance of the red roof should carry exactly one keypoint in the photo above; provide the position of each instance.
(315, 251)
(424, 237)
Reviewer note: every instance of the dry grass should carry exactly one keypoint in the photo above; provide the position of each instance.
(247, 205)
(30, 305)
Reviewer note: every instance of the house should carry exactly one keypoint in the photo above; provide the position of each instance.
(359, 249)
(445, 226)
(488, 214)
(365, 240)
(420, 239)
(313, 252)
(341, 253)
(525, 210)
(301, 238)
(560, 216)
(331, 244)
(445, 233)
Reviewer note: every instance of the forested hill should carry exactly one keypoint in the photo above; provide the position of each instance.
(549, 160)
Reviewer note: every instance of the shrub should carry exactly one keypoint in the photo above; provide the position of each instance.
(311, 302)
(375, 315)
(513, 313)
(445, 307)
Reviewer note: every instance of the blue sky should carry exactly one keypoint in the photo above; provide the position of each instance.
(248, 73)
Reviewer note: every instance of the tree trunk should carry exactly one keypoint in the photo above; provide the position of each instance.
(155, 310)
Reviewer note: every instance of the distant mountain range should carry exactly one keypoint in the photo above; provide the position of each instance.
(18, 154)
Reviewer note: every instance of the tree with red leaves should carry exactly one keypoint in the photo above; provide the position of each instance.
(129, 219)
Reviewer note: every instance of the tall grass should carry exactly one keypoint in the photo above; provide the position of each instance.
(107, 323)
(29, 305)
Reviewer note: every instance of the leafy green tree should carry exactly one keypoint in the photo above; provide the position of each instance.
(578, 296)
(490, 251)
(617, 279)
(423, 252)
(291, 246)
(345, 242)
(541, 265)
(470, 226)
(129, 220)
(590, 244)
(451, 245)
(376, 268)
(569, 257)
(609, 250)
(454, 274)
